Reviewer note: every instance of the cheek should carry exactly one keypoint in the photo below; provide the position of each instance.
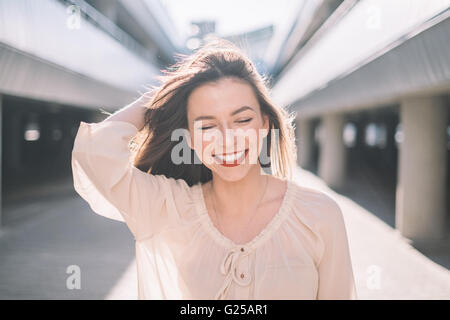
(203, 145)
(208, 148)
(252, 139)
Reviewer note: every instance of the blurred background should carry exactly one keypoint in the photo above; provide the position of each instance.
(368, 80)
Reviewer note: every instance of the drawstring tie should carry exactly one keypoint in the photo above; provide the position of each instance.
(229, 268)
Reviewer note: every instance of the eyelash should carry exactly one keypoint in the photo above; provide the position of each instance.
(240, 121)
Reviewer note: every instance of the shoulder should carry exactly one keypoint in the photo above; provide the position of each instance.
(319, 207)
(320, 213)
(179, 195)
(176, 186)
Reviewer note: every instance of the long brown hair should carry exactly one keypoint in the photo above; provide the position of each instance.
(167, 111)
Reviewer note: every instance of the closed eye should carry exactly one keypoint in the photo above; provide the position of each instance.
(240, 121)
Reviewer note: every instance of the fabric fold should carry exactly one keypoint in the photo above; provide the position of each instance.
(324, 220)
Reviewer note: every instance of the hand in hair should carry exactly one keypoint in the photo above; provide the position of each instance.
(132, 113)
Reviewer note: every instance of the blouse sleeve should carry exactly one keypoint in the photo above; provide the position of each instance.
(336, 281)
(105, 177)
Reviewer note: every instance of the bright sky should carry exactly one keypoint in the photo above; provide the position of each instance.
(232, 16)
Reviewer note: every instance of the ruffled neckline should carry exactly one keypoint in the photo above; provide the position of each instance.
(268, 230)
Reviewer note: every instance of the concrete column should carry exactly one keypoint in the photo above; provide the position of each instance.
(305, 141)
(332, 156)
(421, 187)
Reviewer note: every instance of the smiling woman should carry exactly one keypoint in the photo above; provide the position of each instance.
(215, 96)
(222, 228)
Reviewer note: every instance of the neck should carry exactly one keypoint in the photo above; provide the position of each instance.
(236, 198)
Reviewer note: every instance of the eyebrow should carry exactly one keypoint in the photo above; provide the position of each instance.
(232, 114)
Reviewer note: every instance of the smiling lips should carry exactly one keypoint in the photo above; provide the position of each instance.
(231, 159)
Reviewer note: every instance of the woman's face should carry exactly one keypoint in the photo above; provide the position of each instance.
(226, 127)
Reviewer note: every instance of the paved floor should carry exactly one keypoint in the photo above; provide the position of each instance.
(385, 265)
(47, 235)
(43, 238)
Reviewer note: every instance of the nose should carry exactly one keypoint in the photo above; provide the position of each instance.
(229, 137)
(232, 141)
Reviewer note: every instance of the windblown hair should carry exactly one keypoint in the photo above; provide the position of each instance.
(167, 111)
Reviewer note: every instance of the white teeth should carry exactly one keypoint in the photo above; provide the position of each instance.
(230, 157)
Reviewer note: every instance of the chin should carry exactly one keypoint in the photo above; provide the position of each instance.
(232, 174)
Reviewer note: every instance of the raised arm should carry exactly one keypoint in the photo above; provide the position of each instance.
(105, 177)
(132, 113)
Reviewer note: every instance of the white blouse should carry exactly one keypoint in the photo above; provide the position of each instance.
(302, 253)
